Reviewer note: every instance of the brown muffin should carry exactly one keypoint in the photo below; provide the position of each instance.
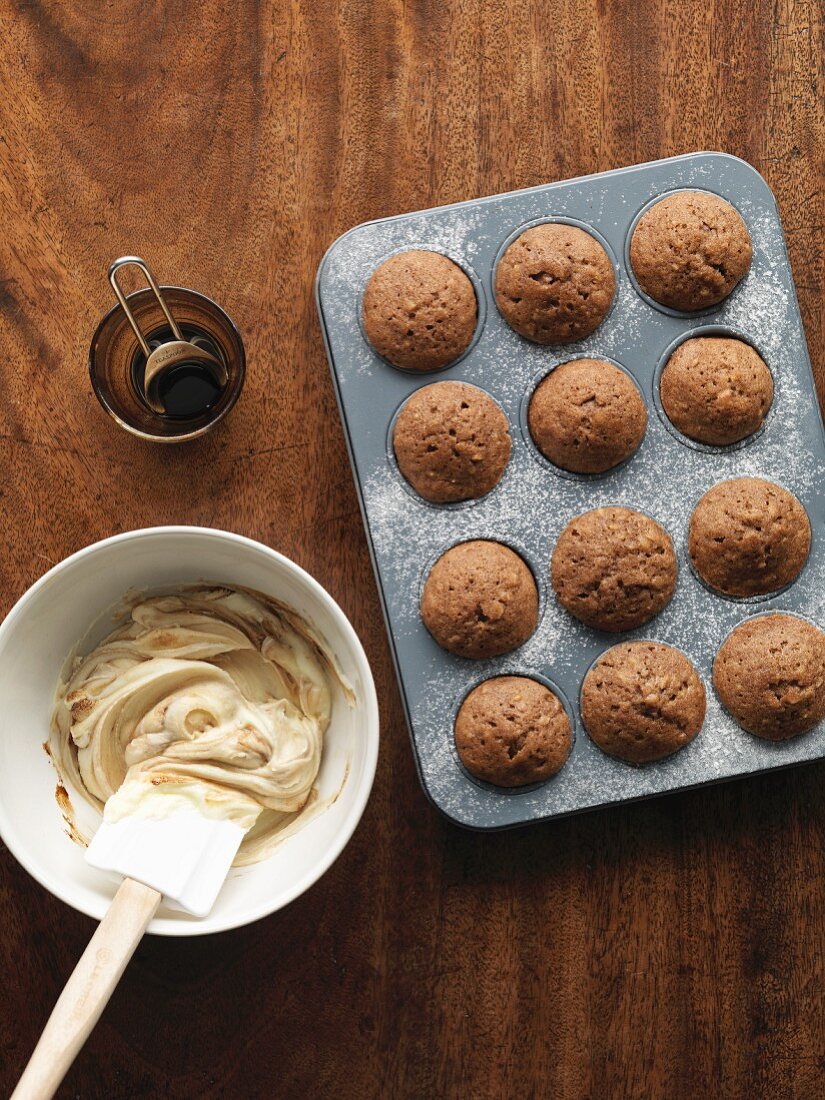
(748, 537)
(642, 701)
(587, 416)
(452, 442)
(690, 250)
(511, 731)
(716, 390)
(554, 284)
(420, 310)
(480, 600)
(614, 568)
(770, 676)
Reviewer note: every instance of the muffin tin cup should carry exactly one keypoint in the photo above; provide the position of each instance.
(540, 579)
(685, 314)
(396, 469)
(481, 307)
(711, 686)
(759, 597)
(529, 674)
(586, 732)
(697, 333)
(531, 505)
(578, 224)
(538, 455)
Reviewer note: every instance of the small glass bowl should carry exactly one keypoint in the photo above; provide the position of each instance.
(114, 351)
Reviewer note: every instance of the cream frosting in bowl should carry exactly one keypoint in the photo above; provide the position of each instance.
(247, 695)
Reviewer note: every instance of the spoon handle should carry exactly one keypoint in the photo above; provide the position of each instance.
(88, 990)
(124, 261)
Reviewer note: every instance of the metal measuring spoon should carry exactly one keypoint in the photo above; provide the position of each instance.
(167, 356)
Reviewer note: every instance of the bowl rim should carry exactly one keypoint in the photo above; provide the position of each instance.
(369, 726)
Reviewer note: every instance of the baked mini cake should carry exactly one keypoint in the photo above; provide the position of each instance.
(554, 284)
(419, 310)
(480, 600)
(748, 537)
(690, 250)
(451, 442)
(614, 568)
(770, 675)
(511, 731)
(587, 416)
(716, 390)
(642, 701)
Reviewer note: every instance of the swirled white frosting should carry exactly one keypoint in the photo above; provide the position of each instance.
(212, 697)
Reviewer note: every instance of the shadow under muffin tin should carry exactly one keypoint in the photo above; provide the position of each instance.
(534, 501)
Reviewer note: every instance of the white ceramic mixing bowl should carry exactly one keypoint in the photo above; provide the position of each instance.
(43, 628)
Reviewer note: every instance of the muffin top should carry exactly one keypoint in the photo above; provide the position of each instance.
(419, 310)
(748, 537)
(512, 730)
(614, 568)
(770, 675)
(690, 249)
(480, 600)
(716, 390)
(554, 284)
(451, 442)
(587, 416)
(642, 701)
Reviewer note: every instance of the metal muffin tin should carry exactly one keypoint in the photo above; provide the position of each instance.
(533, 502)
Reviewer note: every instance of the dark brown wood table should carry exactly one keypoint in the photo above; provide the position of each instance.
(669, 949)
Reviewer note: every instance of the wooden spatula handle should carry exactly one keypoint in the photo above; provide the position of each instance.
(88, 990)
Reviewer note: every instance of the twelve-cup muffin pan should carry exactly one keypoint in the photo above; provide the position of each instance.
(534, 501)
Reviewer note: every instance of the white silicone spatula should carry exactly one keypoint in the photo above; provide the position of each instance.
(184, 858)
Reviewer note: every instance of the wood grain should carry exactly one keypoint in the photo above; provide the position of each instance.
(668, 949)
(88, 990)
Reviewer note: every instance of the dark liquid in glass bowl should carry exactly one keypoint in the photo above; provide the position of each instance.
(187, 390)
(192, 402)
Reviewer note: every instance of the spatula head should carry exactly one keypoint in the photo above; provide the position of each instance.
(185, 855)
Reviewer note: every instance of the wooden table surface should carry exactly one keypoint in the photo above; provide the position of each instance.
(669, 949)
